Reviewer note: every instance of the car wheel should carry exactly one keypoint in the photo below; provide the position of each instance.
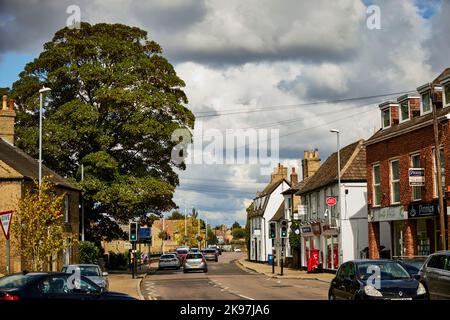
(331, 296)
(184, 271)
(205, 271)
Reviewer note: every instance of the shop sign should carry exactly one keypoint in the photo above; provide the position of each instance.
(306, 231)
(423, 210)
(416, 177)
(316, 228)
(388, 214)
(328, 230)
(257, 232)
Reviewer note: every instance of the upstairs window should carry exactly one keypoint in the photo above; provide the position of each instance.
(447, 95)
(395, 182)
(66, 208)
(386, 118)
(426, 103)
(376, 185)
(404, 111)
(416, 190)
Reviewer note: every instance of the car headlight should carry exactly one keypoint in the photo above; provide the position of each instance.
(421, 289)
(372, 291)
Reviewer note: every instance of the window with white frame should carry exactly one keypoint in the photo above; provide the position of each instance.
(446, 94)
(313, 204)
(66, 208)
(416, 190)
(435, 171)
(426, 103)
(386, 118)
(404, 111)
(395, 182)
(376, 185)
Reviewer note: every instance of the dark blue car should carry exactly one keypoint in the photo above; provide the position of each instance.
(375, 280)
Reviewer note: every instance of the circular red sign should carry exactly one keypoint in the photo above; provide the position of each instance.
(331, 201)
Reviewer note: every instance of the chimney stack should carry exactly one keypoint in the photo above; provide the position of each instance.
(294, 177)
(7, 119)
(310, 163)
(280, 173)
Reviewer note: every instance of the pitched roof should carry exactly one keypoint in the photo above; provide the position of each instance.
(27, 166)
(257, 212)
(353, 168)
(279, 214)
(297, 186)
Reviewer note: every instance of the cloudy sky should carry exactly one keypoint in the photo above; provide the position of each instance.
(261, 65)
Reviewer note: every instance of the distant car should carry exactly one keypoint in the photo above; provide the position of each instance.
(237, 250)
(412, 265)
(435, 275)
(90, 271)
(375, 280)
(211, 254)
(55, 286)
(168, 261)
(182, 252)
(217, 248)
(194, 250)
(195, 261)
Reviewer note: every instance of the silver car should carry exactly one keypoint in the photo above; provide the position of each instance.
(195, 261)
(91, 271)
(435, 275)
(169, 260)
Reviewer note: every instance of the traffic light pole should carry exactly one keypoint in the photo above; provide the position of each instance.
(273, 255)
(133, 255)
(282, 256)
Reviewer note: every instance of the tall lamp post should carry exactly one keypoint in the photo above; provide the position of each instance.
(339, 199)
(41, 100)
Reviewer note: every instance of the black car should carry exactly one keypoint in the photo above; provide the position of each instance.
(53, 285)
(412, 265)
(375, 280)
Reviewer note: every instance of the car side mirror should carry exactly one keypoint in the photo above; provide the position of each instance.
(105, 274)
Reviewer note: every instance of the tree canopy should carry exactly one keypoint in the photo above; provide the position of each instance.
(114, 104)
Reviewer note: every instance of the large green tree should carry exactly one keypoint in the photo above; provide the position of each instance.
(114, 104)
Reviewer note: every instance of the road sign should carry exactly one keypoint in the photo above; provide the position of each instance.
(5, 222)
(416, 177)
(144, 235)
(331, 201)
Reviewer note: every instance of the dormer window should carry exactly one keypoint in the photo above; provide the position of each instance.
(425, 105)
(447, 94)
(386, 118)
(404, 111)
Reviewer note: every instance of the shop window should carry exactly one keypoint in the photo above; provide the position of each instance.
(416, 190)
(435, 171)
(376, 185)
(426, 103)
(395, 182)
(404, 111)
(386, 118)
(423, 240)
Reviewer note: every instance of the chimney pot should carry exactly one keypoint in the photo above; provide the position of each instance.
(5, 98)
(11, 104)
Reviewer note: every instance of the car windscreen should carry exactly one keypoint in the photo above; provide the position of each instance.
(210, 251)
(168, 256)
(15, 281)
(182, 251)
(382, 270)
(87, 271)
(194, 256)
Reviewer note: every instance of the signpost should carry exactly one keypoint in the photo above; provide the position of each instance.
(5, 222)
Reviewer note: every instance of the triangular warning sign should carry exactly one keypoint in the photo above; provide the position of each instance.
(5, 222)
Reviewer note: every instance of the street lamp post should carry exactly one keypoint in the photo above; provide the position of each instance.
(41, 98)
(339, 201)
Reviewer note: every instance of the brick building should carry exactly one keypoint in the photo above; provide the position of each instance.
(17, 172)
(404, 219)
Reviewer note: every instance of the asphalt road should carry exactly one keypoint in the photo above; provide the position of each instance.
(226, 280)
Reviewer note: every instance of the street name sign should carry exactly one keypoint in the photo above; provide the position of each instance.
(5, 222)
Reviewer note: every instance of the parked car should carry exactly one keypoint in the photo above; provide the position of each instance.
(211, 254)
(169, 260)
(435, 275)
(194, 250)
(91, 271)
(53, 285)
(182, 252)
(195, 261)
(412, 265)
(375, 280)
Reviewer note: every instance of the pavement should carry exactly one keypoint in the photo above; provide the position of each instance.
(288, 273)
(122, 281)
(228, 279)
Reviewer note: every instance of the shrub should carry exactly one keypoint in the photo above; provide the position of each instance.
(89, 252)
